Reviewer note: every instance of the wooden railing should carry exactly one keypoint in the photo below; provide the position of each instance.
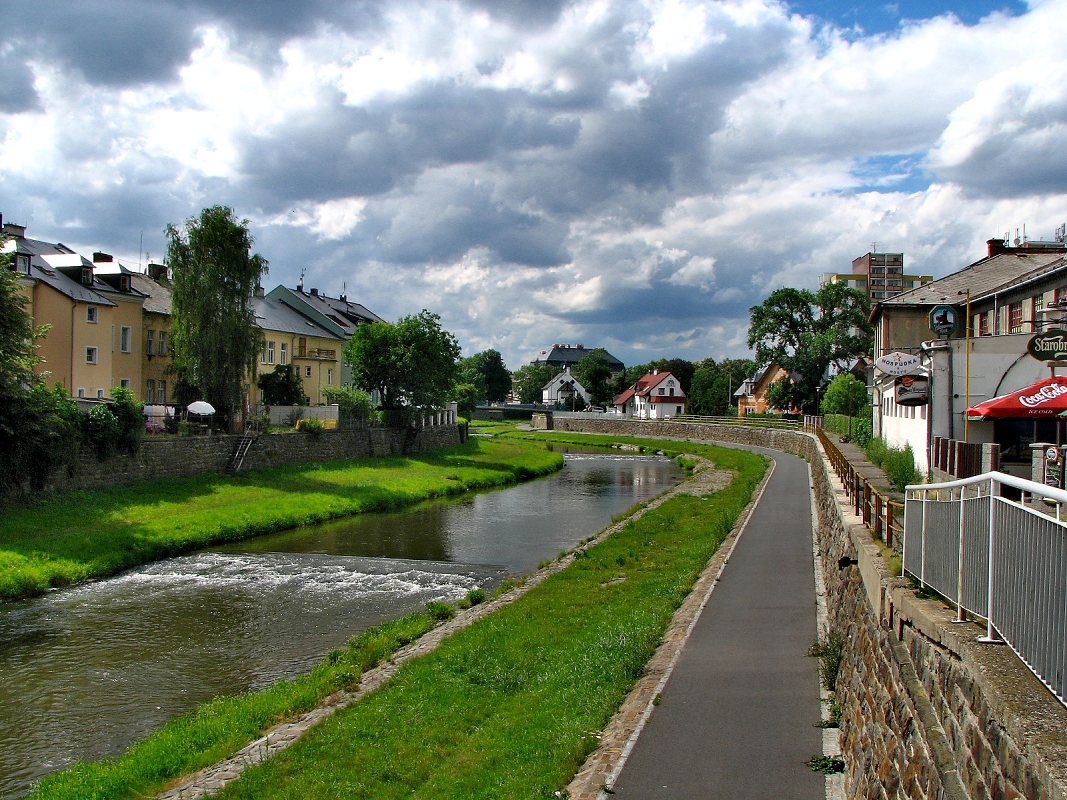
(882, 514)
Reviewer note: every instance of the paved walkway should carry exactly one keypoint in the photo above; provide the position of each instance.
(736, 717)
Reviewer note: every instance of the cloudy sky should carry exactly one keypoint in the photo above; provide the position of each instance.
(632, 175)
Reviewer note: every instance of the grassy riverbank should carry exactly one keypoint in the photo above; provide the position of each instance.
(83, 535)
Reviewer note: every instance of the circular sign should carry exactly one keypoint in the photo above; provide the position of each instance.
(1052, 454)
(944, 320)
(1050, 345)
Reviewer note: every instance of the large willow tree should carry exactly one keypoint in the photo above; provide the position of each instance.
(214, 334)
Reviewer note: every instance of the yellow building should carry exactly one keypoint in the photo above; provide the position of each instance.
(93, 313)
(292, 338)
(157, 382)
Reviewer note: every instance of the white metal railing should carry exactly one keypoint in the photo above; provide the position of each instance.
(1002, 560)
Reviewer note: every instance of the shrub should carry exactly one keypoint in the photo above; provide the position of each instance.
(440, 611)
(899, 466)
(830, 650)
(100, 431)
(313, 427)
(474, 597)
(862, 431)
(294, 416)
(354, 406)
(129, 414)
(282, 387)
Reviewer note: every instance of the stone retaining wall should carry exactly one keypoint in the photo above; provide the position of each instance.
(927, 712)
(175, 456)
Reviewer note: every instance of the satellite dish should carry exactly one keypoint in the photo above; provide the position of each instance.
(201, 408)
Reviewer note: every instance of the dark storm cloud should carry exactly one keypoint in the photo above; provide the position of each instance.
(527, 13)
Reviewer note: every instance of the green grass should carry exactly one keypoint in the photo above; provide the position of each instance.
(83, 535)
(223, 726)
(510, 707)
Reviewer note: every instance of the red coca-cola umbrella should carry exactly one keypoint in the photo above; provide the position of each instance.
(1045, 398)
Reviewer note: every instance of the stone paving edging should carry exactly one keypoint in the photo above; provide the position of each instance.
(603, 767)
(212, 779)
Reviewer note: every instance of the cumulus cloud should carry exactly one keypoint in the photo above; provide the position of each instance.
(633, 174)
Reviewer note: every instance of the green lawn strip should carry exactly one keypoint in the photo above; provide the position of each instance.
(224, 725)
(671, 448)
(73, 537)
(510, 707)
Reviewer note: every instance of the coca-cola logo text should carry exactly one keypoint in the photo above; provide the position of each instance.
(1043, 395)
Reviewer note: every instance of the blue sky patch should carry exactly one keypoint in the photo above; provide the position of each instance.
(896, 172)
(886, 17)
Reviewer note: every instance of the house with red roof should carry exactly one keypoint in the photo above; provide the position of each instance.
(657, 395)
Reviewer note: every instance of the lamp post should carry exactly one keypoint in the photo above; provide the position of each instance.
(967, 369)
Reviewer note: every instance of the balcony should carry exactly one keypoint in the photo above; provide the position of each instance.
(319, 353)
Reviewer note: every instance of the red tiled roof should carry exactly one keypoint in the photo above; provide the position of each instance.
(622, 398)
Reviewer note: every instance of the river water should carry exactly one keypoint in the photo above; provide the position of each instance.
(86, 671)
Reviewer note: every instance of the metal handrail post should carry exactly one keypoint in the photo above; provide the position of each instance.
(991, 636)
(961, 615)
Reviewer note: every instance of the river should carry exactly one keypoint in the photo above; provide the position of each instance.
(90, 669)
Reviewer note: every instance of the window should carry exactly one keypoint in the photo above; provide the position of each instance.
(150, 392)
(307, 372)
(124, 283)
(329, 377)
(877, 295)
(678, 410)
(81, 393)
(270, 352)
(90, 355)
(162, 343)
(303, 347)
(124, 383)
(894, 270)
(878, 270)
(161, 393)
(672, 391)
(1037, 305)
(22, 264)
(283, 356)
(99, 394)
(150, 347)
(983, 324)
(1060, 295)
(92, 314)
(1015, 318)
(125, 335)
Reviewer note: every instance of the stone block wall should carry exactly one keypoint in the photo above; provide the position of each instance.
(177, 456)
(927, 712)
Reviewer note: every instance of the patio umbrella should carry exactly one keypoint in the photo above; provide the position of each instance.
(201, 408)
(1046, 398)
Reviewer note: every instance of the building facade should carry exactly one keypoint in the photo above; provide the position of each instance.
(656, 395)
(878, 275)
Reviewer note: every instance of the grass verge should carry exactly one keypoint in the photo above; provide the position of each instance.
(511, 706)
(84, 535)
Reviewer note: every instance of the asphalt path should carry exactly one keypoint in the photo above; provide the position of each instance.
(736, 718)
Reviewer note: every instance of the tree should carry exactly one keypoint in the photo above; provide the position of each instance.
(782, 395)
(282, 387)
(594, 373)
(811, 333)
(354, 406)
(531, 379)
(713, 384)
(466, 397)
(411, 363)
(846, 395)
(486, 371)
(215, 277)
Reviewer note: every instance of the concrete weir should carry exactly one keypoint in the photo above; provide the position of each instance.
(927, 712)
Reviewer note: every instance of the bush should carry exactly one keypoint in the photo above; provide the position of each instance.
(474, 597)
(100, 431)
(862, 431)
(130, 417)
(440, 611)
(354, 406)
(282, 387)
(831, 652)
(899, 466)
(313, 427)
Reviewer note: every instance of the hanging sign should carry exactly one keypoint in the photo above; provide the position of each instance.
(912, 390)
(944, 320)
(897, 364)
(1050, 345)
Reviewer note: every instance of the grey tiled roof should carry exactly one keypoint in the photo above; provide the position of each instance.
(274, 316)
(983, 278)
(157, 296)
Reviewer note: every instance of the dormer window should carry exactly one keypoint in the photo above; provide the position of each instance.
(124, 283)
(87, 276)
(22, 264)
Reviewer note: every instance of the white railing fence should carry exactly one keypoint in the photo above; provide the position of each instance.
(1002, 560)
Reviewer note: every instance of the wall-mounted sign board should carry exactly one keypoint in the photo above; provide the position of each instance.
(912, 390)
(1050, 345)
(898, 364)
(944, 320)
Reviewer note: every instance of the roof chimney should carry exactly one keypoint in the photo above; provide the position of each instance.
(314, 292)
(996, 247)
(18, 231)
(102, 258)
(158, 272)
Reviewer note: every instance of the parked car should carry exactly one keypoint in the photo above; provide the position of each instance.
(597, 409)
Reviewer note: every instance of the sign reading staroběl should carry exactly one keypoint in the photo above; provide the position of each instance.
(1050, 345)
(897, 364)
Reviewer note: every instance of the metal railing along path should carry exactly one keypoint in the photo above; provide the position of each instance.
(1002, 560)
(747, 421)
(881, 513)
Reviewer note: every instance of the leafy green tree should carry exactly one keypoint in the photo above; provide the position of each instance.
(214, 334)
(808, 333)
(129, 414)
(354, 406)
(530, 379)
(594, 373)
(282, 387)
(846, 395)
(466, 397)
(411, 364)
(713, 385)
(486, 371)
(782, 395)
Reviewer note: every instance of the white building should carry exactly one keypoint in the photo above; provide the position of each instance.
(657, 395)
(562, 389)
